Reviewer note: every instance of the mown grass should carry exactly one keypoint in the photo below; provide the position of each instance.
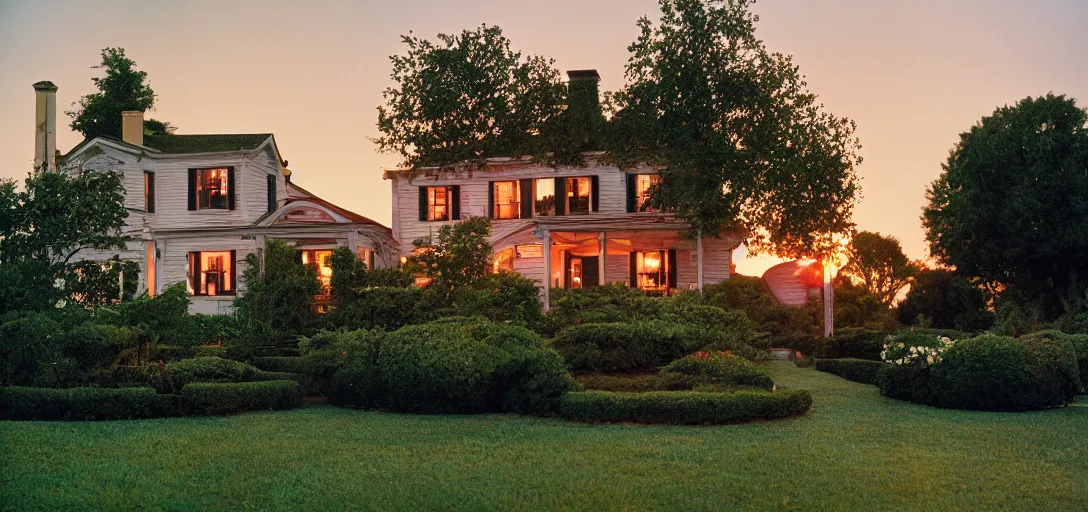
(854, 450)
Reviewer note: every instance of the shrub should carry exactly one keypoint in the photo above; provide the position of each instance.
(502, 297)
(163, 313)
(383, 308)
(683, 407)
(856, 370)
(325, 352)
(38, 350)
(633, 383)
(84, 404)
(636, 346)
(169, 353)
(855, 343)
(280, 292)
(282, 364)
(598, 304)
(208, 369)
(1079, 343)
(717, 369)
(216, 398)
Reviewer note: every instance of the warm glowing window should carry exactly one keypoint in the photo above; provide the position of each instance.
(576, 272)
(507, 200)
(367, 257)
(213, 189)
(438, 203)
(544, 197)
(643, 183)
(579, 191)
(149, 266)
(149, 192)
(503, 260)
(652, 270)
(320, 261)
(211, 273)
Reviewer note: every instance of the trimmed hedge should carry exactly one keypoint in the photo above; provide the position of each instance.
(617, 347)
(286, 364)
(682, 407)
(84, 404)
(169, 354)
(717, 369)
(855, 343)
(208, 369)
(856, 370)
(218, 398)
(632, 383)
(1079, 343)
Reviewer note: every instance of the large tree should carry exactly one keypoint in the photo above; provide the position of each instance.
(877, 263)
(1011, 207)
(465, 98)
(123, 88)
(740, 142)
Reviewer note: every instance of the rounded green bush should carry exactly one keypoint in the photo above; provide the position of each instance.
(215, 398)
(208, 369)
(683, 407)
(717, 369)
(644, 345)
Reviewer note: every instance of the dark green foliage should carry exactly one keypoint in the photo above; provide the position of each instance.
(27, 285)
(349, 275)
(167, 315)
(207, 398)
(944, 300)
(751, 295)
(854, 343)
(1079, 343)
(633, 383)
(877, 263)
(457, 256)
(683, 407)
(382, 307)
(717, 369)
(855, 306)
(857, 370)
(644, 345)
(84, 404)
(278, 302)
(208, 369)
(123, 88)
(282, 364)
(93, 284)
(502, 297)
(1011, 206)
(168, 353)
(326, 352)
(990, 373)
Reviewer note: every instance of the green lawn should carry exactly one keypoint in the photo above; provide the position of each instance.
(854, 450)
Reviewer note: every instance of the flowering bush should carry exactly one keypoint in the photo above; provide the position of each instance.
(917, 349)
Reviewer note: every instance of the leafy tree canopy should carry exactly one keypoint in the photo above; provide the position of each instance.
(1011, 207)
(739, 140)
(457, 257)
(940, 298)
(465, 98)
(123, 88)
(878, 264)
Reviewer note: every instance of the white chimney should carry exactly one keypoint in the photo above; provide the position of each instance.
(132, 127)
(45, 126)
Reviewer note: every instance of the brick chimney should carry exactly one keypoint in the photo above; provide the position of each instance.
(45, 126)
(132, 127)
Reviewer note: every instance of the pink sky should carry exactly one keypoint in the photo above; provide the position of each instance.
(912, 74)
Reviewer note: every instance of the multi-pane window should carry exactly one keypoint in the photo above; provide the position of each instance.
(503, 261)
(652, 271)
(320, 260)
(213, 189)
(149, 192)
(211, 273)
(579, 195)
(544, 197)
(506, 199)
(438, 203)
(643, 184)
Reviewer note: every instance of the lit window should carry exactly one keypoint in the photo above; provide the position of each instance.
(438, 203)
(503, 261)
(544, 197)
(507, 199)
(211, 273)
(320, 260)
(643, 183)
(578, 195)
(213, 189)
(367, 257)
(652, 271)
(149, 192)
(576, 272)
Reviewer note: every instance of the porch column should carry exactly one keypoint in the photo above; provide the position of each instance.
(546, 249)
(699, 260)
(602, 255)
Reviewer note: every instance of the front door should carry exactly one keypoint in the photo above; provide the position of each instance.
(581, 271)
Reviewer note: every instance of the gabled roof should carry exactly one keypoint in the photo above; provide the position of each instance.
(296, 193)
(215, 143)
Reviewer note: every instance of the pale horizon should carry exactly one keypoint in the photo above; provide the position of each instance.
(913, 76)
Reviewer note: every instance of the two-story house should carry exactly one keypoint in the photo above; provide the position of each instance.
(566, 227)
(200, 204)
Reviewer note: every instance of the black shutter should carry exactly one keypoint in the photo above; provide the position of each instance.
(454, 195)
(566, 269)
(631, 206)
(194, 272)
(233, 270)
(150, 183)
(192, 189)
(560, 196)
(271, 179)
(230, 188)
(595, 191)
(423, 204)
(491, 199)
(591, 271)
(672, 268)
(633, 270)
(526, 188)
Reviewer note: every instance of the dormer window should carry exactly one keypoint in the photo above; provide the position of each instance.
(211, 189)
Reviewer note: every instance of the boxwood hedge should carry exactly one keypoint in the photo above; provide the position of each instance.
(217, 398)
(83, 404)
(682, 407)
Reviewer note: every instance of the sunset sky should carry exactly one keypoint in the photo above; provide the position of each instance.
(911, 74)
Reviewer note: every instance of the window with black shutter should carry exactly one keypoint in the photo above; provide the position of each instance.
(439, 203)
(212, 273)
(211, 189)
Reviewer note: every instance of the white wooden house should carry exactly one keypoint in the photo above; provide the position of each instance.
(566, 227)
(200, 204)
